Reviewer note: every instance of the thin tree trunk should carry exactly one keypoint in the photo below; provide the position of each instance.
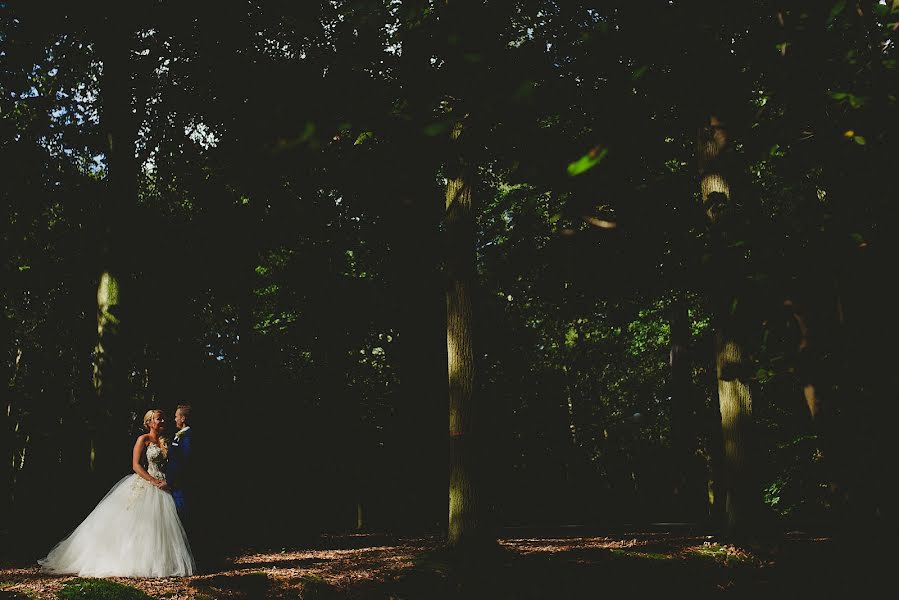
(817, 390)
(809, 361)
(465, 520)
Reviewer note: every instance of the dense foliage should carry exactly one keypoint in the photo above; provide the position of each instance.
(282, 253)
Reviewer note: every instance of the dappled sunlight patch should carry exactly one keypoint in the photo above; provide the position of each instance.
(383, 566)
(337, 567)
(557, 545)
(661, 545)
(637, 554)
(725, 554)
(28, 582)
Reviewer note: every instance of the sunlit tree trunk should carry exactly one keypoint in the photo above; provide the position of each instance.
(734, 398)
(465, 518)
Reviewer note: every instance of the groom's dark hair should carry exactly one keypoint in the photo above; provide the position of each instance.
(185, 411)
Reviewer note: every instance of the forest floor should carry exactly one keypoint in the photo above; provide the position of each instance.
(524, 565)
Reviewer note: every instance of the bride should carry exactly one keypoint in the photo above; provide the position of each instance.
(134, 531)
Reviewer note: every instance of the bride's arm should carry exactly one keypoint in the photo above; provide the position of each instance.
(138, 451)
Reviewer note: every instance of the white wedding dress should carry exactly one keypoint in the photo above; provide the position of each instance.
(133, 532)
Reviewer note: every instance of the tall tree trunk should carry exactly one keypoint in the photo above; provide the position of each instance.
(734, 398)
(465, 518)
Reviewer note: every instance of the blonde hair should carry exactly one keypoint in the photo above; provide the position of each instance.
(163, 442)
(148, 416)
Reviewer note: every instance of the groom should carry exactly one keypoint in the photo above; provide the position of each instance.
(180, 460)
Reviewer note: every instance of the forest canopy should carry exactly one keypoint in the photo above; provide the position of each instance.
(636, 255)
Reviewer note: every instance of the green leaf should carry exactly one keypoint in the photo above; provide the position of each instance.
(587, 161)
(365, 135)
(860, 140)
(836, 10)
(856, 101)
(308, 131)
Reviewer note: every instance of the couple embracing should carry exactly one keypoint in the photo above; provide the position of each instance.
(138, 528)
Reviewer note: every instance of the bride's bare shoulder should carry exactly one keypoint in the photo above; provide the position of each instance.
(142, 439)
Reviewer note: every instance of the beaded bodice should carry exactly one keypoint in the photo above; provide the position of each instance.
(155, 461)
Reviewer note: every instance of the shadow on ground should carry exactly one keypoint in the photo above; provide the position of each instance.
(526, 567)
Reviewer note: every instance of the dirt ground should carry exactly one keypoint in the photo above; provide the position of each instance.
(524, 565)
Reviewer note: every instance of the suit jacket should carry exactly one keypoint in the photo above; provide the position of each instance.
(180, 460)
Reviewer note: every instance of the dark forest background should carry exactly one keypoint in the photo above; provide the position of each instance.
(649, 245)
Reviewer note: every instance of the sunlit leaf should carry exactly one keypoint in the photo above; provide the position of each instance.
(587, 161)
(860, 140)
(362, 137)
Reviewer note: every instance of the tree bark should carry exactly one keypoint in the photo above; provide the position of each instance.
(734, 397)
(465, 520)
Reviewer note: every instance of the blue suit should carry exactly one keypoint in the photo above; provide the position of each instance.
(179, 473)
